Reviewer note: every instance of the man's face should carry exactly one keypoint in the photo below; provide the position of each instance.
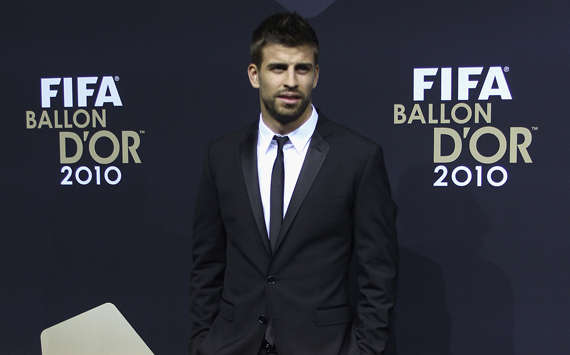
(285, 79)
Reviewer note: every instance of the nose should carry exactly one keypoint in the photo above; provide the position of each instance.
(291, 79)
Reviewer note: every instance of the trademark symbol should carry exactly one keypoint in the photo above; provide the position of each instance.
(117, 78)
(506, 69)
(534, 128)
(142, 131)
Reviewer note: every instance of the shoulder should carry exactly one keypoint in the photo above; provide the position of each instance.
(231, 141)
(345, 139)
(354, 152)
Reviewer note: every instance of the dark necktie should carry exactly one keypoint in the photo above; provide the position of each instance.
(276, 209)
(276, 194)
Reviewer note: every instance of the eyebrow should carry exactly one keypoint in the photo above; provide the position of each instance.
(306, 66)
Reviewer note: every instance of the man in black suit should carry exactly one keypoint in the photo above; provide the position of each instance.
(285, 208)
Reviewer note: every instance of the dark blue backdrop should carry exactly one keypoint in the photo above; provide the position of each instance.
(483, 270)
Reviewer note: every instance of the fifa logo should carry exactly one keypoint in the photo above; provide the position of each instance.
(494, 84)
(83, 87)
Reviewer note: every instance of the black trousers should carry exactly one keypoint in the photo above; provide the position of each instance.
(266, 349)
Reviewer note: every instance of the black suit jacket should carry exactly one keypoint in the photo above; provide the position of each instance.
(341, 212)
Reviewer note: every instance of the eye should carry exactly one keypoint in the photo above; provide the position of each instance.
(303, 69)
(277, 68)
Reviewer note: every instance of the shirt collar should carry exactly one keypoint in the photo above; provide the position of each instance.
(299, 137)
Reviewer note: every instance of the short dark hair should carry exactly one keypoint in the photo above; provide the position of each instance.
(288, 29)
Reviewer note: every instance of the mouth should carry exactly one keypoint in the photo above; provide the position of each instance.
(289, 98)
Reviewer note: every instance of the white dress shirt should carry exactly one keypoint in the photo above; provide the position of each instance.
(294, 152)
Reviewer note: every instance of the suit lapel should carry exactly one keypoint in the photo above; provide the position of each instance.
(316, 154)
(248, 152)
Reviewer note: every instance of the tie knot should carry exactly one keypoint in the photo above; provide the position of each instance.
(281, 141)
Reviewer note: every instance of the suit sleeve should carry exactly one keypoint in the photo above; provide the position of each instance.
(209, 258)
(376, 253)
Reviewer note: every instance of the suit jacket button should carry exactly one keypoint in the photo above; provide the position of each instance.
(262, 319)
(271, 280)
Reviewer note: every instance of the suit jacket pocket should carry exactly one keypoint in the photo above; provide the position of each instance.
(333, 315)
(226, 310)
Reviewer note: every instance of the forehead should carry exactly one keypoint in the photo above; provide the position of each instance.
(278, 53)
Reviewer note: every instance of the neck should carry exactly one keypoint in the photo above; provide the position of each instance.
(285, 128)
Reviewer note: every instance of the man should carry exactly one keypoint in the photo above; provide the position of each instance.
(284, 207)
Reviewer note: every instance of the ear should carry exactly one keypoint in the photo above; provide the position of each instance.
(316, 79)
(253, 74)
